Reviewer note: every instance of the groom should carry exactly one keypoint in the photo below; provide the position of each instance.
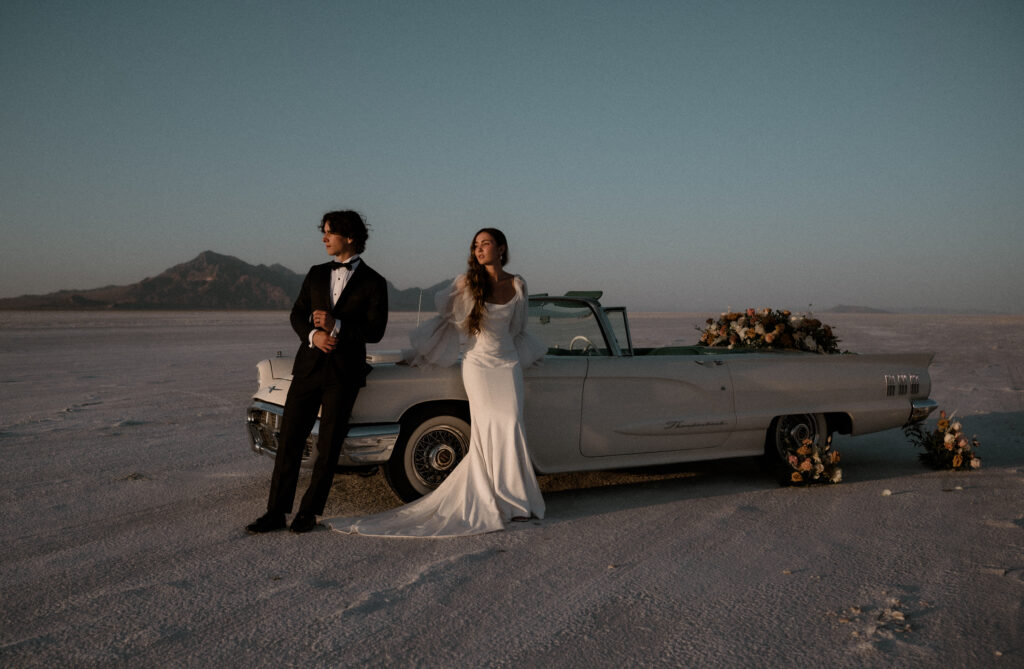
(342, 306)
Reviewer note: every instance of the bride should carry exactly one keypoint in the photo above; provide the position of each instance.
(494, 483)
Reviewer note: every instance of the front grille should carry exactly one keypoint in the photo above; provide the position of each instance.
(265, 430)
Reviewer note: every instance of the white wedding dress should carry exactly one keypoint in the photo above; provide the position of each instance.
(495, 481)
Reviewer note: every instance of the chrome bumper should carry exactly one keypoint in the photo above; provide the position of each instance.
(921, 409)
(364, 444)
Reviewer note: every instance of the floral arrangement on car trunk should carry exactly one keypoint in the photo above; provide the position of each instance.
(945, 447)
(811, 462)
(769, 328)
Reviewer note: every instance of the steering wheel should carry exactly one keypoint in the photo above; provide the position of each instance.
(587, 344)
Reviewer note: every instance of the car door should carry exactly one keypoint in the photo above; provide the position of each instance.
(554, 389)
(554, 395)
(649, 404)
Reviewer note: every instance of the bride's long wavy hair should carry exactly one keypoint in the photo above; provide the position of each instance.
(477, 279)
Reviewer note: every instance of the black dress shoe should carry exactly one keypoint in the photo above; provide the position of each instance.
(303, 522)
(268, 522)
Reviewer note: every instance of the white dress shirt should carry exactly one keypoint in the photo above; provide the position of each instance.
(339, 279)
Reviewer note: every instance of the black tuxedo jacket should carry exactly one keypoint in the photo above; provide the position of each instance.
(362, 311)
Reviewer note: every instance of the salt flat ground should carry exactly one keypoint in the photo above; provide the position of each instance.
(127, 481)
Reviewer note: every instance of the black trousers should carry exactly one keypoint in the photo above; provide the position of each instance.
(305, 397)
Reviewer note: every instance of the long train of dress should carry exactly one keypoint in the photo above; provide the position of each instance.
(495, 481)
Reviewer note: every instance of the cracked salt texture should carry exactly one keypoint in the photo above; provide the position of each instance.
(126, 482)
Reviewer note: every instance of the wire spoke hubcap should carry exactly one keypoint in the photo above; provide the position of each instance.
(438, 452)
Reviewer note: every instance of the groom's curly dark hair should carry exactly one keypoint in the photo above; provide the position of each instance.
(348, 223)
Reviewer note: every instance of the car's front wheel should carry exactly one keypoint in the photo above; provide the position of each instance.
(430, 446)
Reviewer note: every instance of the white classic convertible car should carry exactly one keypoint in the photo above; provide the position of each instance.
(596, 402)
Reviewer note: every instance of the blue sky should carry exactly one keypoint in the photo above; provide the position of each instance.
(681, 156)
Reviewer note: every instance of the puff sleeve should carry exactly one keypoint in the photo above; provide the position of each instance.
(438, 342)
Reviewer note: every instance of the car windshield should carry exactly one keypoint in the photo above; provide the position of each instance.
(568, 327)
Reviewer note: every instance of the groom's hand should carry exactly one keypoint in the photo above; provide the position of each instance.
(324, 341)
(323, 320)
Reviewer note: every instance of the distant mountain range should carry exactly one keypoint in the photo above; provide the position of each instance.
(209, 281)
(219, 282)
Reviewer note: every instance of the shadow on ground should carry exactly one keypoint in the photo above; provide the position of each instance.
(875, 457)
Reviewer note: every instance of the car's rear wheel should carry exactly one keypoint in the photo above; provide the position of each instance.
(793, 430)
(430, 446)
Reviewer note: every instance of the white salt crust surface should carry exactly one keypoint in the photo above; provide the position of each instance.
(127, 482)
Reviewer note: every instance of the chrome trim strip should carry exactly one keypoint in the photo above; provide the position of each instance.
(272, 408)
(370, 444)
(921, 409)
(364, 444)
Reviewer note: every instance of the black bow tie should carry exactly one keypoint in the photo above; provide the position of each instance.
(347, 265)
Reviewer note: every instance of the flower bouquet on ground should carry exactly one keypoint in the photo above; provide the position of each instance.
(769, 328)
(945, 447)
(811, 462)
